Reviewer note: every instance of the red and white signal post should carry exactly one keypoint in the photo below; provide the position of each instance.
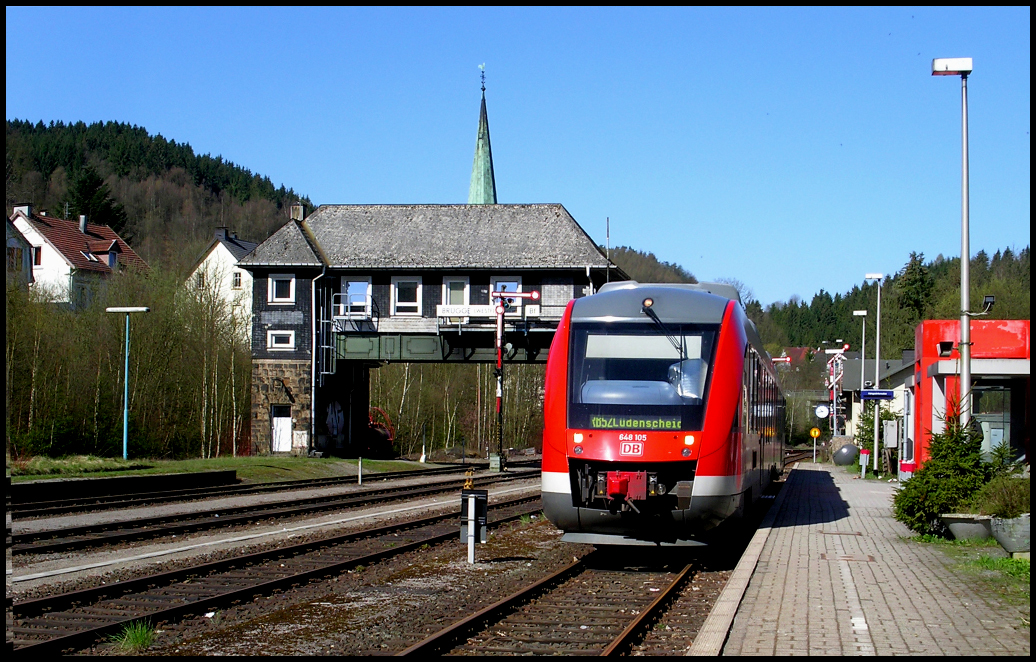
(502, 305)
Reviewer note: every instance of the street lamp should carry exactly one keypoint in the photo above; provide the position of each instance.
(877, 359)
(125, 391)
(961, 66)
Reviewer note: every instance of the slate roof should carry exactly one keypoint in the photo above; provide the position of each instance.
(237, 247)
(535, 236)
(285, 247)
(64, 234)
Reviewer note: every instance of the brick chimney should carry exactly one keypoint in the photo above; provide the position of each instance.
(298, 212)
(221, 234)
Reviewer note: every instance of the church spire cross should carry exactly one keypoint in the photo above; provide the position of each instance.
(483, 181)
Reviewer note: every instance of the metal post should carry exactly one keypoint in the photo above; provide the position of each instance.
(965, 265)
(471, 529)
(877, 380)
(500, 385)
(125, 399)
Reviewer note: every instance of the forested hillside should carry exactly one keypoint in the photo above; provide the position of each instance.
(158, 193)
(919, 291)
(644, 267)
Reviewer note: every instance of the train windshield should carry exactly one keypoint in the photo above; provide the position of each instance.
(635, 376)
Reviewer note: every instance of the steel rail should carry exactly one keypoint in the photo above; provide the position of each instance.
(627, 637)
(78, 639)
(69, 538)
(26, 509)
(448, 637)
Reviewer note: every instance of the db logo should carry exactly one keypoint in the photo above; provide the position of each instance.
(631, 448)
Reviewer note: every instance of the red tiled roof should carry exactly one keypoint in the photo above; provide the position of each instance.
(72, 243)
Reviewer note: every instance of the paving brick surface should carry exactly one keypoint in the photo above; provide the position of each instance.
(820, 589)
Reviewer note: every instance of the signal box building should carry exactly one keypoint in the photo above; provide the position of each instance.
(1001, 386)
(354, 287)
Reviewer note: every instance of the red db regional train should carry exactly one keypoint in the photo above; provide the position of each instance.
(663, 415)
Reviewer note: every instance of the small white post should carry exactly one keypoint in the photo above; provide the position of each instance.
(471, 529)
(359, 472)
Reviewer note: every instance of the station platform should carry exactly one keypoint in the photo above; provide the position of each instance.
(830, 572)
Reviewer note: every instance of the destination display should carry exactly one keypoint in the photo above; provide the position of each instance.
(635, 422)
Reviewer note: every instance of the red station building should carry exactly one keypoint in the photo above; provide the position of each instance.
(999, 379)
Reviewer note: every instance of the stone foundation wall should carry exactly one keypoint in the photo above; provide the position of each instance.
(281, 382)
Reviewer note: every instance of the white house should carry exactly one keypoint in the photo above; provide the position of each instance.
(217, 269)
(71, 259)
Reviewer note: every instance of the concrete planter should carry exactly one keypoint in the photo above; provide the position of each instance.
(965, 526)
(1012, 534)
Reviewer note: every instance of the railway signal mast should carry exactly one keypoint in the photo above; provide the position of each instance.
(504, 301)
(835, 370)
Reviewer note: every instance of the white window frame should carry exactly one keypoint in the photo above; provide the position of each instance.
(343, 288)
(237, 280)
(396, 280)
(467, 294)
(270, 290)
(518, 302)
(272, 347)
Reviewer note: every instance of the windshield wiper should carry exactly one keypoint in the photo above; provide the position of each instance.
(646, 308)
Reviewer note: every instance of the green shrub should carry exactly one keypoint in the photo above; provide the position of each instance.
(1004, 496)
(950, 478)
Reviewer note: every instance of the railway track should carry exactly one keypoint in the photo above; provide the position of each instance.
(26, 509)
(82, 537)
(76, 620)
(586, 608)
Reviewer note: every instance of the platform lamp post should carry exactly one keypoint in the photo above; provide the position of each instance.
(877, 364)
(125, 378)
(962, 66)
(502, 305)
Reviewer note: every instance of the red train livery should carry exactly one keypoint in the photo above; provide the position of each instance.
(663, 415)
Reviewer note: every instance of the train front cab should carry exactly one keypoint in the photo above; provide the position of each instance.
(645, 473)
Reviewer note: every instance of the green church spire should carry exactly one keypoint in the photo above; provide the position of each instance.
(483, 183)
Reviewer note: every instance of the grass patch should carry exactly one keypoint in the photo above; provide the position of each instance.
(135, 637)
(38, 467)
(986, 568)
(259, 469)
(1011, 567)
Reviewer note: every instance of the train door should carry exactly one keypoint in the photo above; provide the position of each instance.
(280, 426)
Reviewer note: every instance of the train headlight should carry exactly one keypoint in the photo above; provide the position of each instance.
(578, 450)
(688, 440)
(686, 452)
(577, 438)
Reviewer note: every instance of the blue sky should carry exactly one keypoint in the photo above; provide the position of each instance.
(792, 149)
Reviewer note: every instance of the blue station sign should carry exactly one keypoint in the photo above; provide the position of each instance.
(877, 394)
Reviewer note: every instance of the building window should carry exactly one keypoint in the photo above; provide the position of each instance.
(508, 284)
(281, 288)
(406, 295)
(14, 259)
(237, 280)
(37, 255)
(456, 292)
(199, 280)
(280, 341)
(355, 299)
